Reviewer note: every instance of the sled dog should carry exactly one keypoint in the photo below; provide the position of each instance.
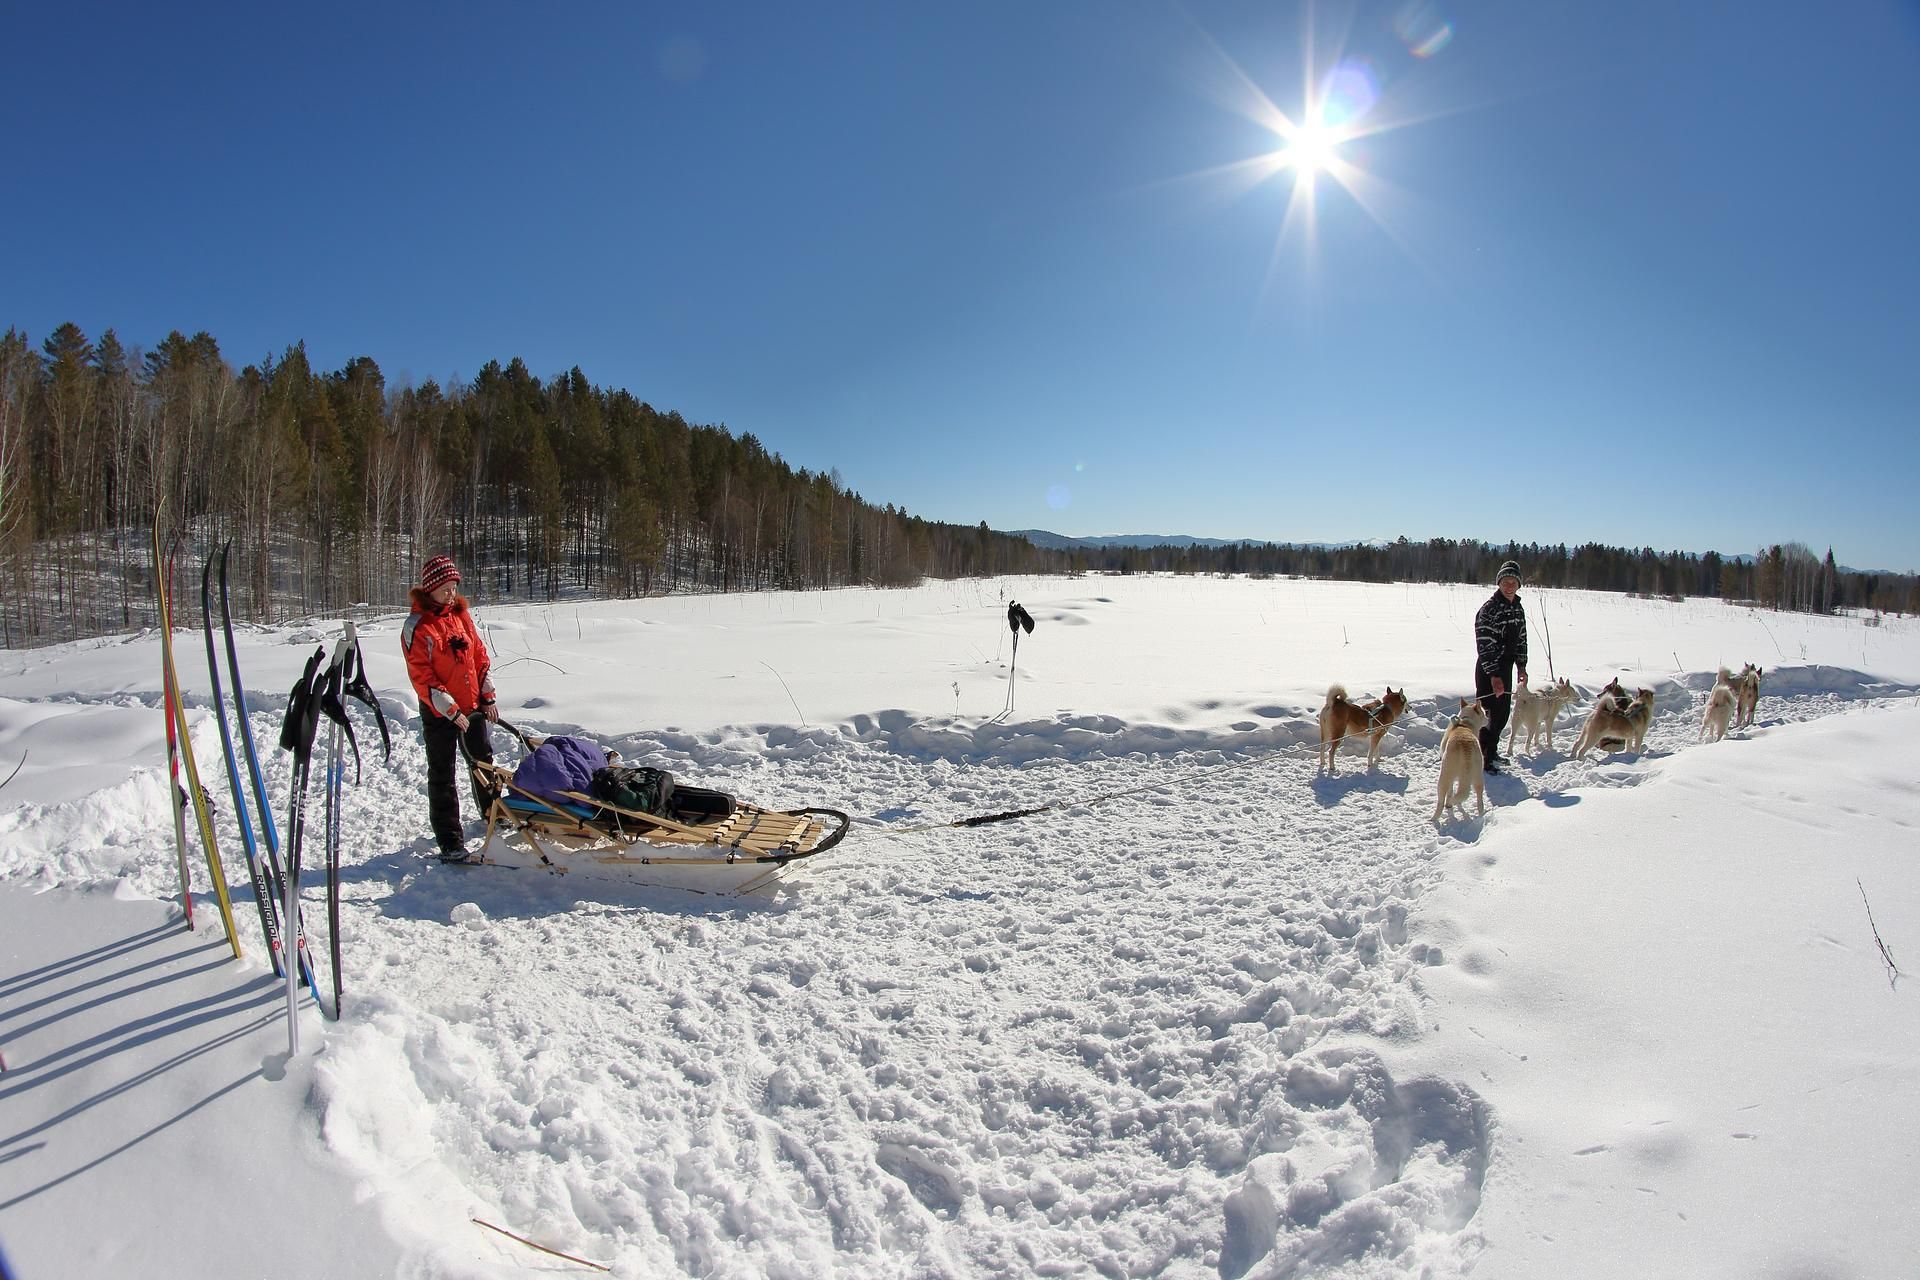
(1746, 696)
(1339, 717)
(1611, 727)
(1719, 708)
(1537, 709)
(1462, 767)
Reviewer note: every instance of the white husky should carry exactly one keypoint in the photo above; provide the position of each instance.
(1462, 767)
(1719, 710)
(1537, 709)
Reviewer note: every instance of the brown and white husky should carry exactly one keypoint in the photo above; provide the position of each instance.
(1746, 696)
(1339, 717)
(1537, 709)
(1612, 726)
(1462, 767)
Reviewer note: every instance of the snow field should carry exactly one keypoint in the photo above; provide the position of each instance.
(1731, 1098)
(1152, 1034)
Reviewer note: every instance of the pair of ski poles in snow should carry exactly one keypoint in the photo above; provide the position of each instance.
(1018, 620)
(322, 692)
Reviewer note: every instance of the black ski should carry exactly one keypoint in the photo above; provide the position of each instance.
(262, 891)
(269, 833)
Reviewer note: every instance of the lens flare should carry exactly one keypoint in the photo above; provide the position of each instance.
(1423, 28)
(1058, 497)
(1350, 92)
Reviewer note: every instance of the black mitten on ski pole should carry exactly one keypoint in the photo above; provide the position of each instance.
(303, 711)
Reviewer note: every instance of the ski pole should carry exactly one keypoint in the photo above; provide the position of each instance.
(1549, 633)
(1013, 672)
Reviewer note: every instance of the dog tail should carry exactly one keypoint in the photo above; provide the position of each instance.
(1335, 693)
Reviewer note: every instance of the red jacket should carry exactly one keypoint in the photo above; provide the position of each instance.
(445, 658)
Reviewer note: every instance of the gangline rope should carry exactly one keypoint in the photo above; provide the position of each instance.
(1289, 751)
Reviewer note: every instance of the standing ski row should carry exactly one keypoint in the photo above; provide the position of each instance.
(263, 863)
(180, 748)
(273, 873)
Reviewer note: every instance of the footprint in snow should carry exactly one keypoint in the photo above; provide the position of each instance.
(930, 1182)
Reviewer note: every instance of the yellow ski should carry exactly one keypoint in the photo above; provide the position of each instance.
(171, 694)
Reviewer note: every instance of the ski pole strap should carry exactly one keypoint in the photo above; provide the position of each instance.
(336, 711)
(357, 687)
(303, 713)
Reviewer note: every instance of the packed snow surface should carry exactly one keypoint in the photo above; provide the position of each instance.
(1211, 1013)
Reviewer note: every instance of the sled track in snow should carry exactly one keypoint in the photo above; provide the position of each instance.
(1124, 1038)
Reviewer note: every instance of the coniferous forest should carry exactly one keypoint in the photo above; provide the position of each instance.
(333, 487)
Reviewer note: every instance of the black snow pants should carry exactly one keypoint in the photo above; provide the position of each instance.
(443, 757)
(1497, 709)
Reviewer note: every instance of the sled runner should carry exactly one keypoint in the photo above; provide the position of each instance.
(701, 840)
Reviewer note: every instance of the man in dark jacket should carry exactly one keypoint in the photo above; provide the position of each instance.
(1500, 638)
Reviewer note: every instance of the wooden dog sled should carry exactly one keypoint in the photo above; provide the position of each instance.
(706, 843)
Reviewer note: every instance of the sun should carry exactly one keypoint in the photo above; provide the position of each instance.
(1319, 151)
(1310, 148)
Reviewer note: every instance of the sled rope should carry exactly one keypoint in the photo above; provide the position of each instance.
(984, 819)
(1291, 751)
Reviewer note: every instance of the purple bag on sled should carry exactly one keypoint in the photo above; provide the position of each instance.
(560, 764)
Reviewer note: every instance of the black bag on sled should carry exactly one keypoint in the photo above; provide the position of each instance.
(648, 790)
(635, 786)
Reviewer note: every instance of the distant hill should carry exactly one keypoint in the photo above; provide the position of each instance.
(1060, 542)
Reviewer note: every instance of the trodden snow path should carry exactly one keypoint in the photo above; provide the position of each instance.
(1056, 1045)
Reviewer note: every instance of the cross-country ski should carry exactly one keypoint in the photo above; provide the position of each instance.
(180, 753)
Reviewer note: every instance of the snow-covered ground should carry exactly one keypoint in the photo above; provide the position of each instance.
(1213, 1015)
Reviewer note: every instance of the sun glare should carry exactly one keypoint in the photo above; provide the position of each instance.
(1317, 151)
(1310, 149)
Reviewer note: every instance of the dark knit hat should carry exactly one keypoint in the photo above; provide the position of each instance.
(438, 570)
(1507, 570)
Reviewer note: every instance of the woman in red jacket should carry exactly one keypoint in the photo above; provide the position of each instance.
(448, 665)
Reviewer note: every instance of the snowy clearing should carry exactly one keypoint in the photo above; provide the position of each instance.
(1215, 1015)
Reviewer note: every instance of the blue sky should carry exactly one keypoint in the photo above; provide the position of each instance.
(1634, 272)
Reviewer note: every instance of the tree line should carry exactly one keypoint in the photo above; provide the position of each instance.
(1781, 576)
(333, 487)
